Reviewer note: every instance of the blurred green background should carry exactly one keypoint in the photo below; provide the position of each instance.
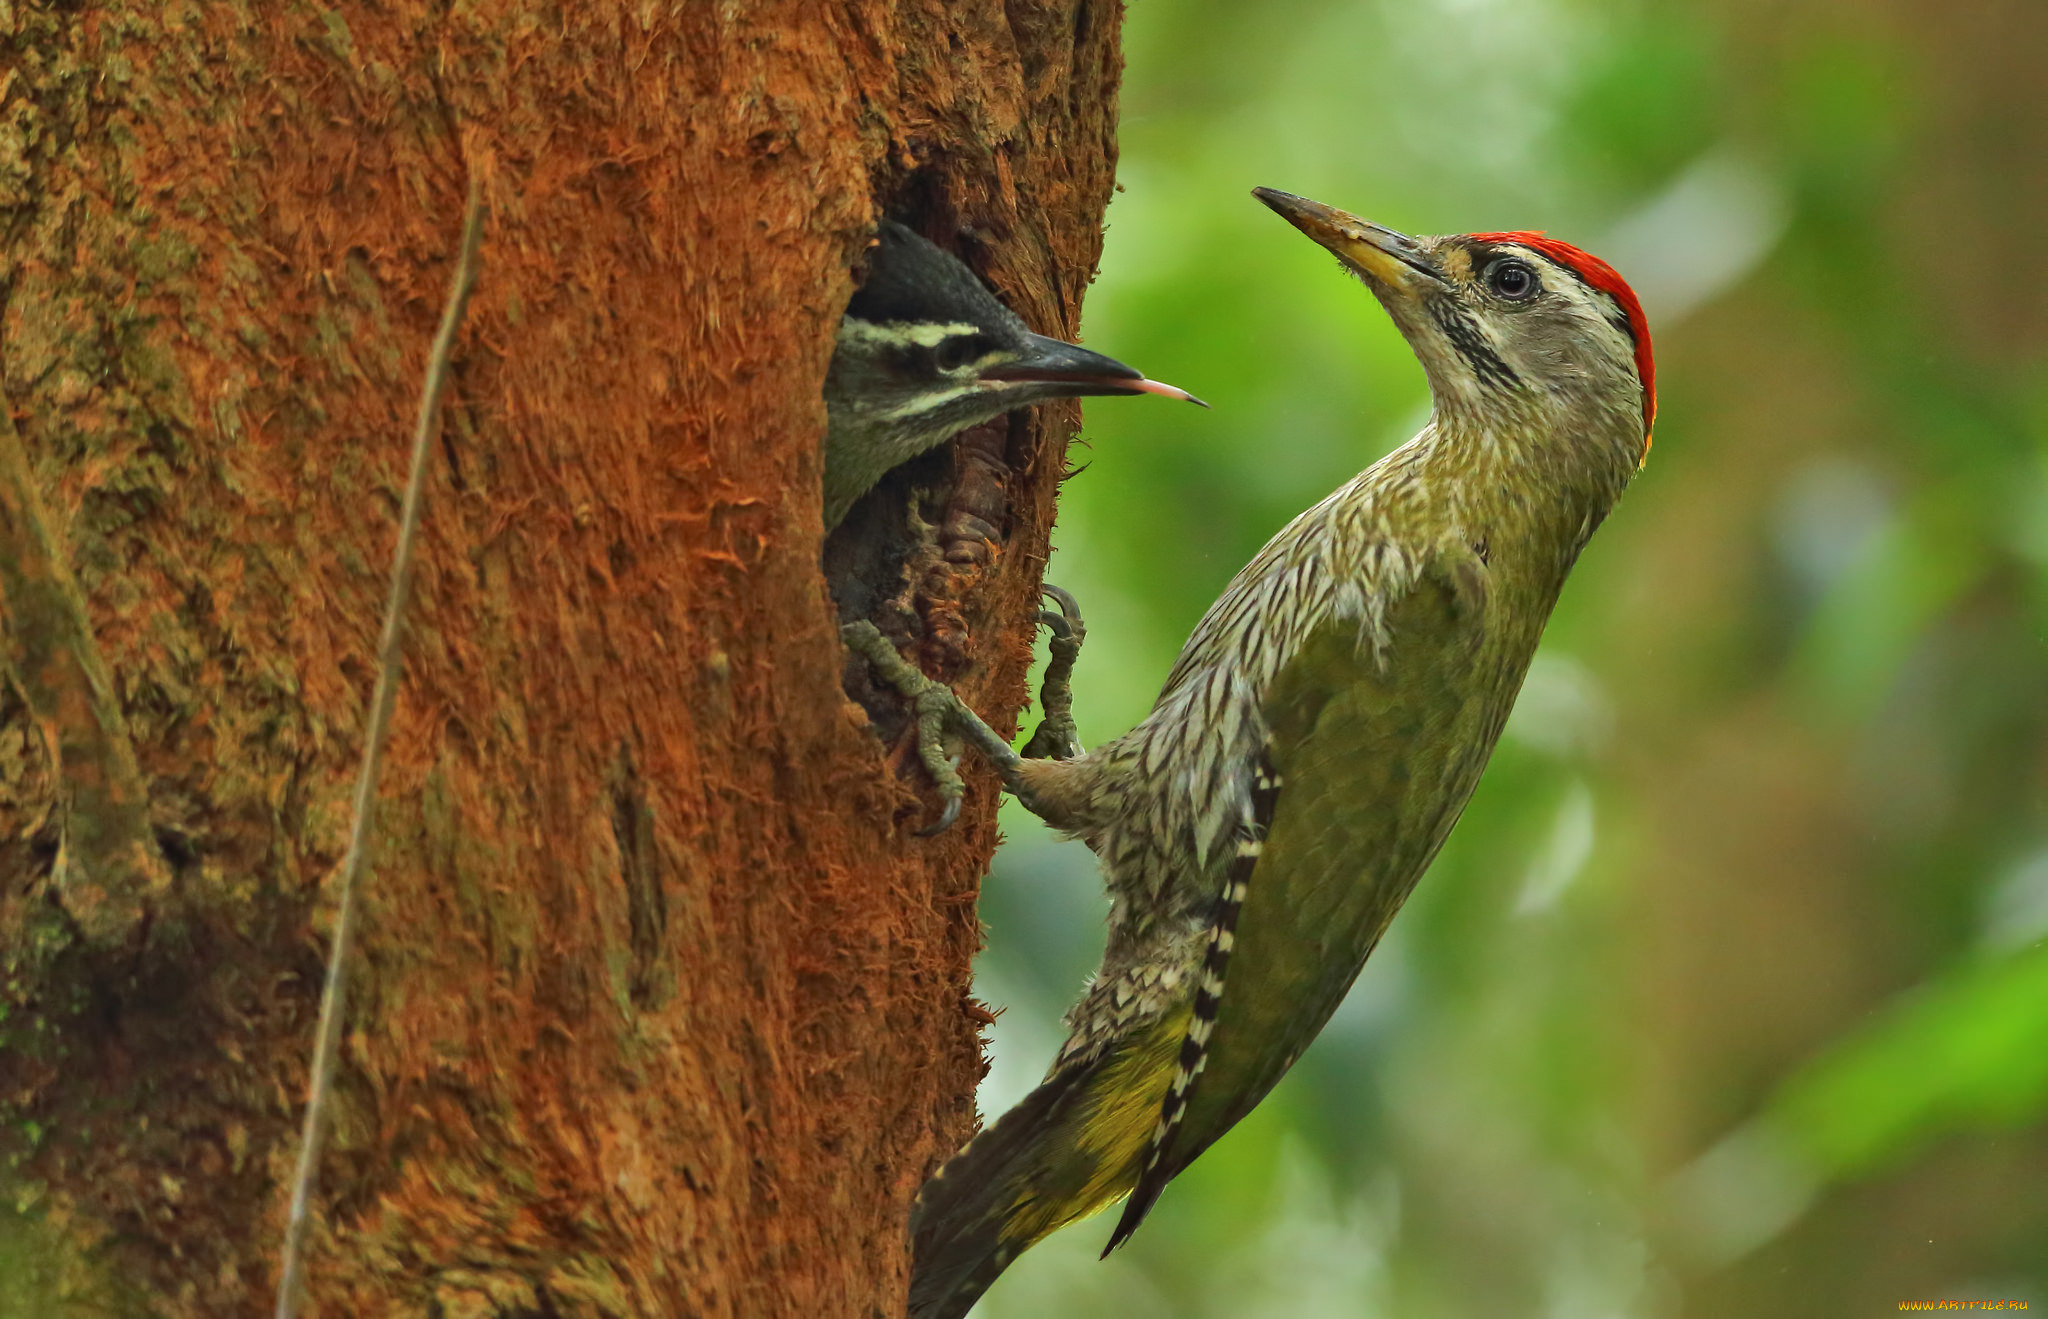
(1729, 997)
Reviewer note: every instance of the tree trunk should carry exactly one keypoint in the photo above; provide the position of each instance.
(659, 1007)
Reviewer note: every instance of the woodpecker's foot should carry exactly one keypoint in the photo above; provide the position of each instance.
(1056, 738)
(935, 707)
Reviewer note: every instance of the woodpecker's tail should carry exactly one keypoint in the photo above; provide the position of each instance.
(961, 1235)
(1070, 1147)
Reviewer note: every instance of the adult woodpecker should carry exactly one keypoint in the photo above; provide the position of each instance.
(1315, 742)
(924, 352)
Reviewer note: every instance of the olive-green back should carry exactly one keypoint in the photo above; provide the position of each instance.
(1378, 756)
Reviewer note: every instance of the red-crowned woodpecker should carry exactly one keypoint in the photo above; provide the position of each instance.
(1317, 739)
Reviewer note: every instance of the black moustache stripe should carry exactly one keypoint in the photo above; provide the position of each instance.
(1465, 336)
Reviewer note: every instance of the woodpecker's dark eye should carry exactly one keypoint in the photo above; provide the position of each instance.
(957, 351)
(1513, 280)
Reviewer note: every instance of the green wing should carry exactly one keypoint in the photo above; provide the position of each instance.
(1375, 757)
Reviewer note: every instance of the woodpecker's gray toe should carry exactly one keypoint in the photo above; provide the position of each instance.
(1056, 737)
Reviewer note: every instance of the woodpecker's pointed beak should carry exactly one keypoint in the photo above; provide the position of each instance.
(1078, 371)
(1390, 259)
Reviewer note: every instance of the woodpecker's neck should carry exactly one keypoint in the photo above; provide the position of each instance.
(1529, 467)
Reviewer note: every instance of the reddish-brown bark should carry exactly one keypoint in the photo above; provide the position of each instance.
(660, 1009)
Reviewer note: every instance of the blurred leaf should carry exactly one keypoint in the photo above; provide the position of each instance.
(1967, 1051)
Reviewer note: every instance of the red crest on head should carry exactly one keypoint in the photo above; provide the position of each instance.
(1607, 279)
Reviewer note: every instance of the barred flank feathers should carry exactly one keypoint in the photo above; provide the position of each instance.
(957, 1242)
(1194, 1047)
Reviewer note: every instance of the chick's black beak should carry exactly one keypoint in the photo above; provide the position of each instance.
(1079, 371)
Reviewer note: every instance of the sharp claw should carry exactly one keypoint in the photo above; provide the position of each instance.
(946, 816)
(934, 708)
(1067, 603)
